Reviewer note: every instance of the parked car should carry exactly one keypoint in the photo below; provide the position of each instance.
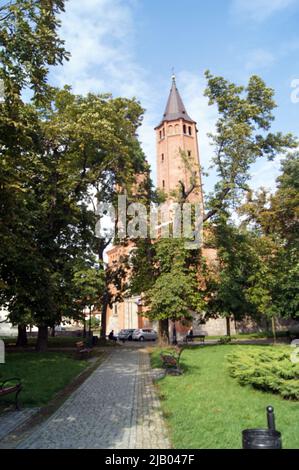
(145, 334)
(126, 334)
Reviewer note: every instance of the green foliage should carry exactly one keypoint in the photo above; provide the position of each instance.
(54, 152)
(29, 45)
(89, 284)
(266, 368)
(226, 285)
(273, 284)
(170, 283)
(242, 135)
(225, 340)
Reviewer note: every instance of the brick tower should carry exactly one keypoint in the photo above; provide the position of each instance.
(177, 149)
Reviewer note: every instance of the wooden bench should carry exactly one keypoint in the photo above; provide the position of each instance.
(171, 360)
(82, 351)
(191, 338)
(6, 387)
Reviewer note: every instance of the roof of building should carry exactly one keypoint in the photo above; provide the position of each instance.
(175, 108)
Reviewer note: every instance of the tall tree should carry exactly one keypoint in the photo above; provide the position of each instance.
(29, 45)
(274, 284)
(242, 136)
(169, 283)
(226, 283)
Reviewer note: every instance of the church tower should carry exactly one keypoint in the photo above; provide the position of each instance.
(177, 149)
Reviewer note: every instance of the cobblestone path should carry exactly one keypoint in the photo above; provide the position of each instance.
(115, 408)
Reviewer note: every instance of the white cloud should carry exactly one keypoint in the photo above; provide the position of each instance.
(99, 34)
(258, 59)
(264, 174)
(259, 10)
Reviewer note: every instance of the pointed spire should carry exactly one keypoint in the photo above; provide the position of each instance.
(175, 108)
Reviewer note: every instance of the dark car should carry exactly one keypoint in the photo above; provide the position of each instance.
(126, 334)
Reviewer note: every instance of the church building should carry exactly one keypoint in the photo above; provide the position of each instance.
(178, 162)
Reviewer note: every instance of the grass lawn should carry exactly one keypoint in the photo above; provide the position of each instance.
(42, 375)
(245, 336)
(205, 408)
(54, 342)
(58, 341)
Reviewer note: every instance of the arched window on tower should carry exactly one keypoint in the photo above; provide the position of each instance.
(170, 130)
(189, 130)
(184, 128)
(163, 184)
(160, 134)
(162, 157)
(189, 153)
(177, 129)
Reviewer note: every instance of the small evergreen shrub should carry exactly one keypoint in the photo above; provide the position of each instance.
(266, 368)
(225, 339)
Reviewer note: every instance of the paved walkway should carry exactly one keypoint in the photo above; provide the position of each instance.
(115, 408)
(10, 420)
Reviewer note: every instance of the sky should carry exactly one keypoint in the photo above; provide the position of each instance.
(131, 47)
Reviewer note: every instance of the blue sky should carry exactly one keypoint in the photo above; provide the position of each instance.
(128, 47)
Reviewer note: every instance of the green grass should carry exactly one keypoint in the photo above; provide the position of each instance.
(42, 375)
(205, 408)
(58, 341)
(258, 335)
(54, 342)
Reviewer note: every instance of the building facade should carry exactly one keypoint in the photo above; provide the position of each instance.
(178, 169)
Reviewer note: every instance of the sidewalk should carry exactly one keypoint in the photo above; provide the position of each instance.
(115, 408)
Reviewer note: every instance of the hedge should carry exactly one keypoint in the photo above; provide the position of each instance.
(266, 368)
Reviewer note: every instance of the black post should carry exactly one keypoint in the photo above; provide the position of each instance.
(263, 438)
(271, 418)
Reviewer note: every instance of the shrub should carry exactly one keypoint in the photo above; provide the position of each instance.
(225, 339)
(266, 368)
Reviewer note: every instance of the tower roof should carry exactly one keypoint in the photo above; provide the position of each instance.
(175, 108)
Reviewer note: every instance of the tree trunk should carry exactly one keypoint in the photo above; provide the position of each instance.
(227, 326)
(104, 316)
(22, 336)
(164, 331)
(273, 329)
(42, 339)
(53, 331)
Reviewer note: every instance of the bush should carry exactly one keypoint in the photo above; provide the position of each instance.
(225, 339)
(268, 369)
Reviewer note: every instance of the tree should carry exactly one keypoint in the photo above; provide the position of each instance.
(29, 44)
(89, 283)
(274, 217)
(226, 285)
(242, 136)
(87, 144)
(170, 284)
